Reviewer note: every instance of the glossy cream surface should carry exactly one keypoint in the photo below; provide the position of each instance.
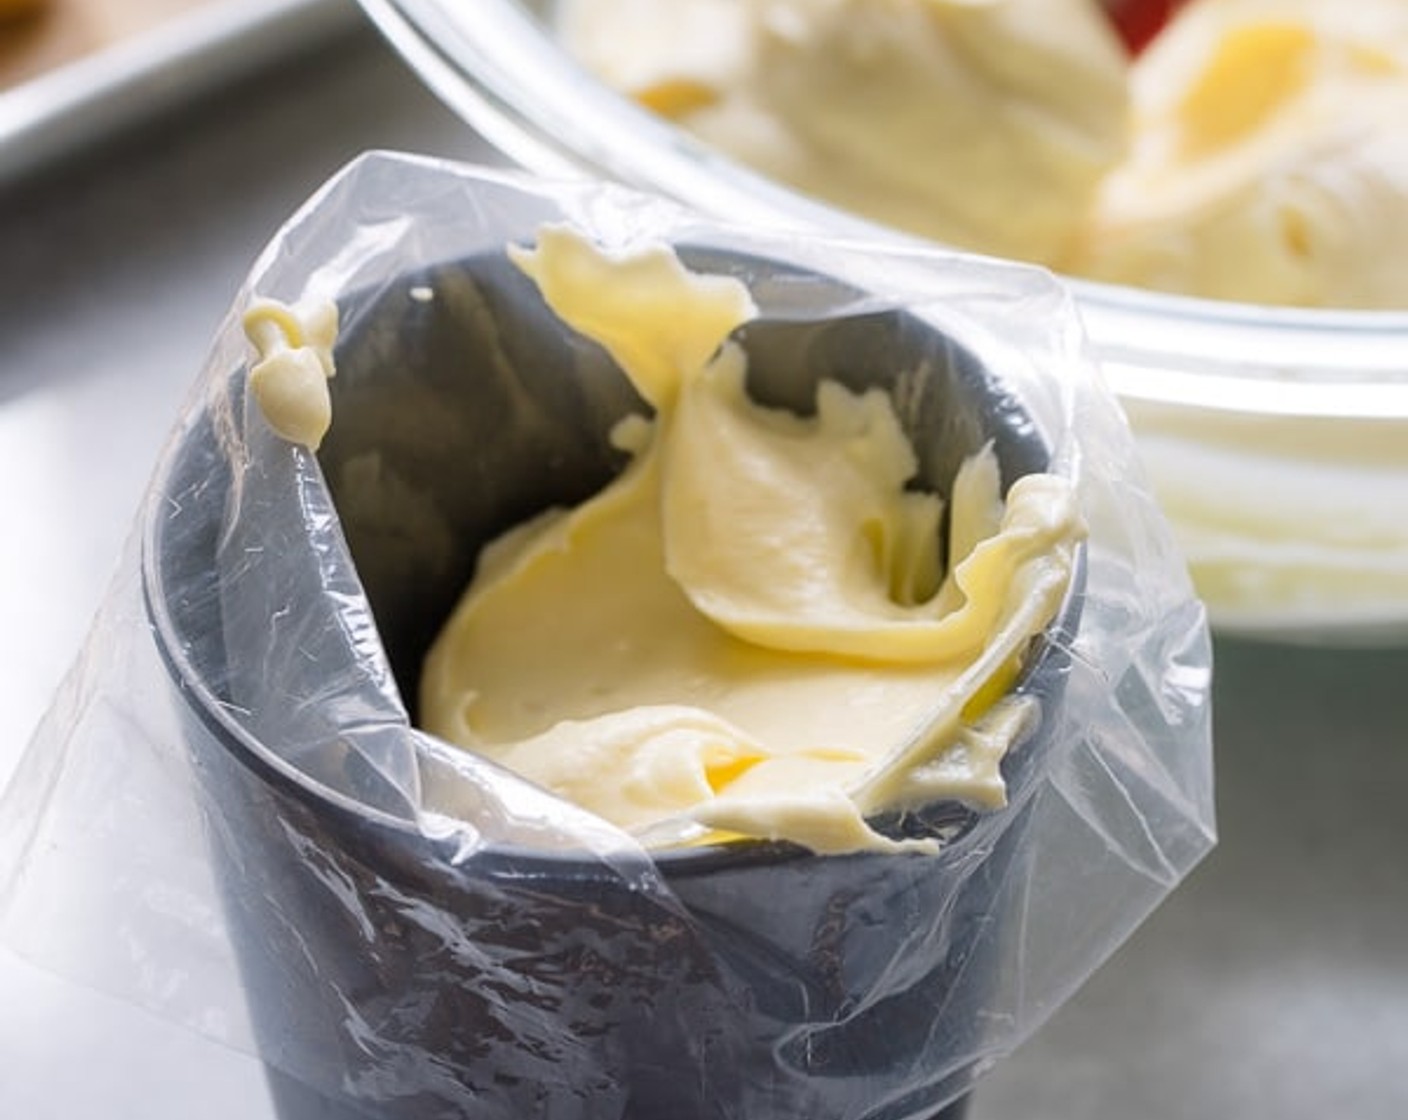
(750, 631)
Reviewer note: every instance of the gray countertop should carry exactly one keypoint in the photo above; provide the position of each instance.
(1273, 984)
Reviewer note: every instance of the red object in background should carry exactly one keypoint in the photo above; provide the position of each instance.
(1138, 21)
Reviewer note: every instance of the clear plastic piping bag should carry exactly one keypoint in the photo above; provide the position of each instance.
(227, 817)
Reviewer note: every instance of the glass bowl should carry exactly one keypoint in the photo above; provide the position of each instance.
(1276, 438)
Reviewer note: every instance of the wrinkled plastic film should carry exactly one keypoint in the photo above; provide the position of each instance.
(227, 818)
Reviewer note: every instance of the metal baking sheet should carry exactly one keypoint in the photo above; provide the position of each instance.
(95, 87)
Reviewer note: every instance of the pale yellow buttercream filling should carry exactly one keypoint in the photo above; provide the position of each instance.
(985, 125)
(1254, 152)
(749, 631)
(294, 360)
(1269, 162)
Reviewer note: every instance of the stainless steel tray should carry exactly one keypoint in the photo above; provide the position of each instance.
(135, 78)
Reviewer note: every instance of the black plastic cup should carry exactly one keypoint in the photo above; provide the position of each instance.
(395, 977)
